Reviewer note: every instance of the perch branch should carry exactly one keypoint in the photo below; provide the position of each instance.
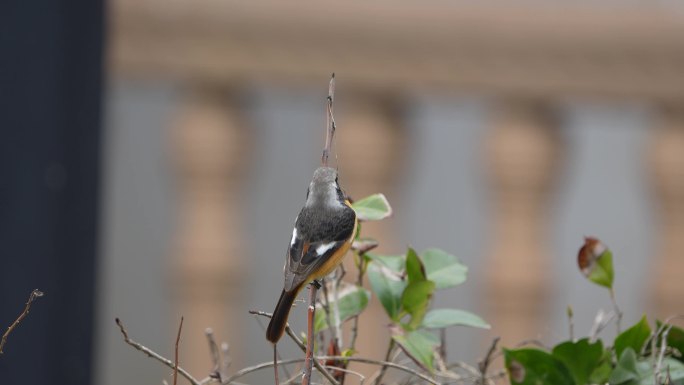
(310, 337)
(34, 294)
(156, 356)
(293, 336)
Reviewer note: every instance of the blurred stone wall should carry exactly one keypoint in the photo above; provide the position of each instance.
(501, 134)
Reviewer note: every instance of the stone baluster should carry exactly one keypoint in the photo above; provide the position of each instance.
(523, 151)
(666, 161)
(209, 142)
(370, 146)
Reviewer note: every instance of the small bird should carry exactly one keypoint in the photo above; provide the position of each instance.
(324, 230)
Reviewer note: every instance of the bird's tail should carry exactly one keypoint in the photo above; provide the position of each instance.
(279, 320)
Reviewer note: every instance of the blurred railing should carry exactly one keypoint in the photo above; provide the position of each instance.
(525, 59)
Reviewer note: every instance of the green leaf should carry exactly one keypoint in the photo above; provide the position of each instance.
(414, 267)
(626, 371)
(352, 300)
(444, 269)
(675, 339)
(442, 318)
(536, 367)
(418, 345)
(601, 373)
(372, 208)
(415, 300)
(581, 358)
(602, 271)
(634, 337)
(384, 275)
(633, 371)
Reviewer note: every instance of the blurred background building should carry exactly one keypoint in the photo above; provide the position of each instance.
(501, 133)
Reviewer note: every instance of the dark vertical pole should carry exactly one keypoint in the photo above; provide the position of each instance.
(50, 94)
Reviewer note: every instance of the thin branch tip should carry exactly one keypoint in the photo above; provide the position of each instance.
(34, 294)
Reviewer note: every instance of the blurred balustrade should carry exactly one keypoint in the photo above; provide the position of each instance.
(526, 59)
(210, 143)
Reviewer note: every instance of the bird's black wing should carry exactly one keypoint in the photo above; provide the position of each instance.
(315, 239)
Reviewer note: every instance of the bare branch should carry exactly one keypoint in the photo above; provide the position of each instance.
(175, 363)
(215, 355)
(330, 133)
(383, 370)
(293, 336)
(34, 294)
(484, 364)
(268, 364)
(600, 322)
(362, 378)
(310, 337)
(156, 356)
(616, 309)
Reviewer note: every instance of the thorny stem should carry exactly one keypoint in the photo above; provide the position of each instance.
(34, 294)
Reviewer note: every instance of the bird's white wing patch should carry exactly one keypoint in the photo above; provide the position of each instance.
(320, 250)
(294, 237)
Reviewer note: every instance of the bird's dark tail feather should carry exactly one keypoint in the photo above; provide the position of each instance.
(277, 325)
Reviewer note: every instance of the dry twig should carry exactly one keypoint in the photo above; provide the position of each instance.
(155, 355)
(293, 336)
(268, 364)
(34, 294)
(484, 364)
(175, 363)
(331, 122)
(383, 370)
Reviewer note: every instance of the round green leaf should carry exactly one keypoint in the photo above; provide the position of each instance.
(442, 318)
(581, 358)
(372, 208)
(601, 272)
(444, 269)
(384, 275)
(635, 337)
(415, 300)
(351, 301)
(536, 367)
(418, 345)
